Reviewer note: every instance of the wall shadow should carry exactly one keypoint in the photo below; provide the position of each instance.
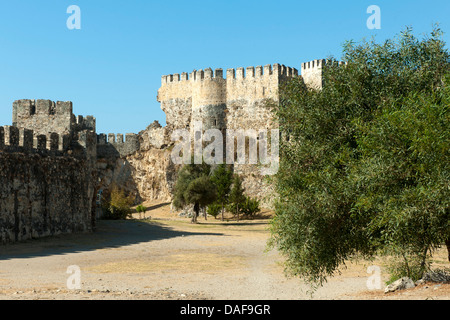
(231, 224)
(155, 206)
(109, 234)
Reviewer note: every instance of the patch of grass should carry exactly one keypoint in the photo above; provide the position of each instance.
(189, 262)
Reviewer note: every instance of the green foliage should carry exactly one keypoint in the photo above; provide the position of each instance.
(406, 266)
(250, 206)
(366, 165)
(186, 175)
(405, 175)
(222, 177)
(141, 209)
(237, 196)
(214, 209)
(202, 191)
(194, 186)
(116, 205)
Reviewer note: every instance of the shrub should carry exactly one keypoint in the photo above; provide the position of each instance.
(141, 209)
(116, 205)
(214, 209)
(250, 206)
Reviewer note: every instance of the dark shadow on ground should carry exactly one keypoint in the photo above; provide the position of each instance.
(156, 206)
(230, 223)
(109, 234)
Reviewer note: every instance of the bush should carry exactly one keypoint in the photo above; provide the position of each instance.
(141, 209)
(116, 205)
(250, 206)
(214, 209)
(410, 266)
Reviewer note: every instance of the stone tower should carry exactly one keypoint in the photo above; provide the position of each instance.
(235, 102)
(312, 73)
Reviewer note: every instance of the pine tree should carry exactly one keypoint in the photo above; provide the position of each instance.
(222, 177)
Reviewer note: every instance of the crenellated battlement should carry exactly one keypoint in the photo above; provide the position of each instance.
(111, 144)
(13, 139)
(46, 116)
(205, 94)
(83, 123)
(196, 75)
(45, 126)
(312, 73)
(113, 138)
(314, 64)
(277, 70)
(29, 107)
(47, 161)
(318, 64)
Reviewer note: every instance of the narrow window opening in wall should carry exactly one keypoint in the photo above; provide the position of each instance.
(52, 110)
(215, 122)
(264, 91)
(33, 110)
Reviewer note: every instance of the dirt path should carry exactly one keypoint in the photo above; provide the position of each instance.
(168, 258)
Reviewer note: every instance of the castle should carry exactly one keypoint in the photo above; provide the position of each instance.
(53, 164)
(47, 171)
(235, 102)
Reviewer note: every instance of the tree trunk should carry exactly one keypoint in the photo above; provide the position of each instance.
(447, 243)
(196, 212)
(408, 272)
(223, 209)
(423, 263)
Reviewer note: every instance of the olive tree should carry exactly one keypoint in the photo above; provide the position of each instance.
(194, 187)
(365, 165)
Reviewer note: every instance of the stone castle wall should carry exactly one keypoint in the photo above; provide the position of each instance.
(233, 102)
(45, 188)
(113, 145)
(242, 100)
(46, 116)
(52, 163)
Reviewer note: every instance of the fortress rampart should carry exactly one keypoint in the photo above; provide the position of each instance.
(47, 171)
(46, 116)
(236, 101)
(52, 163)
(13, 139)
(113, 145)
(205, 95)
(239, 98)
(43, 195)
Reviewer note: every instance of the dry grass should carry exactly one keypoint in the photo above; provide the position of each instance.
(191, 262)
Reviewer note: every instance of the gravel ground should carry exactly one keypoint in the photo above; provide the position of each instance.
(167, 258)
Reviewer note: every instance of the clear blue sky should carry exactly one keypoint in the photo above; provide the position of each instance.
(112, 67)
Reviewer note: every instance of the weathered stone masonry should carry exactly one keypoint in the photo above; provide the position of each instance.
(239, 101)
(47, 174)
(52, 163)
(235, 99)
